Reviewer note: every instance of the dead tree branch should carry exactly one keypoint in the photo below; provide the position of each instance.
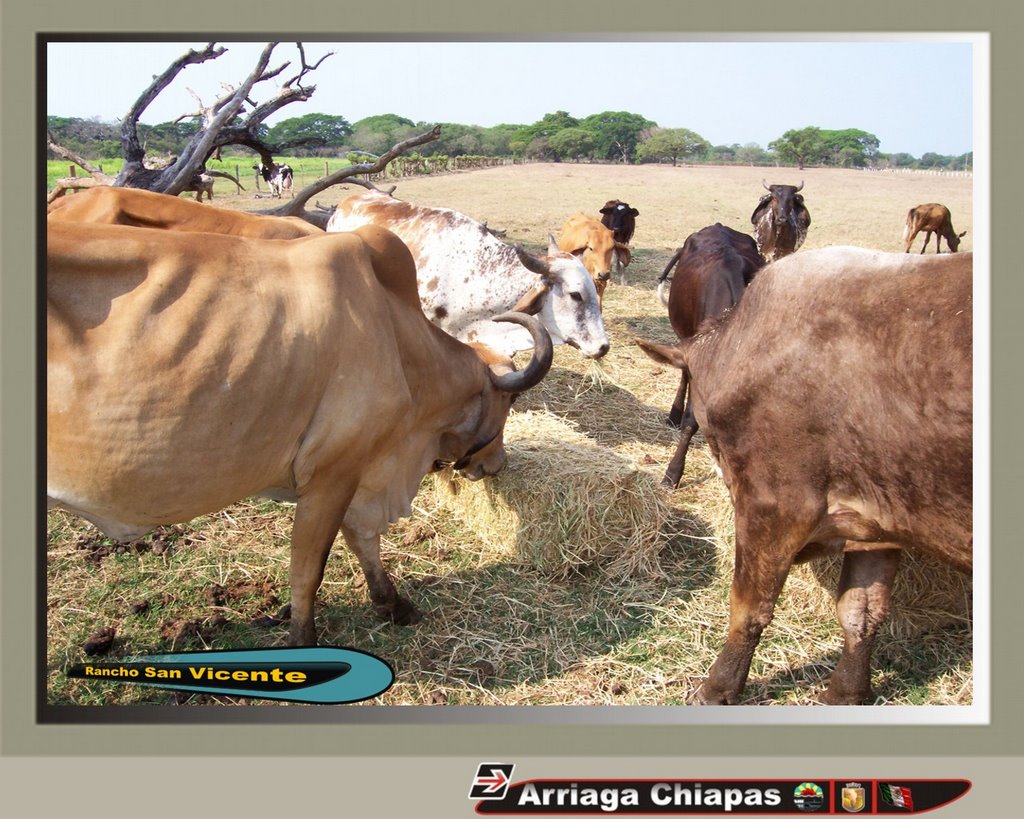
(297, 205)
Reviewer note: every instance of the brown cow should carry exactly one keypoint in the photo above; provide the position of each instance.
(712, 268)
(139, 208)
(184, 375)
(586, 238)
(836, 398)
(780, 221)
(620, 218)
(931, 218)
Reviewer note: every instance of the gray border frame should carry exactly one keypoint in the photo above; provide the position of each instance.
(542, 20)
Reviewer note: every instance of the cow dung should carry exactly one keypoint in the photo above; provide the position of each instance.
(563, 504)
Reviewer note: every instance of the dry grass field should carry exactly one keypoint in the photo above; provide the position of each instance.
(636, 623)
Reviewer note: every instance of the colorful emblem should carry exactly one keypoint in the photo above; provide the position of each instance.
(853, 797)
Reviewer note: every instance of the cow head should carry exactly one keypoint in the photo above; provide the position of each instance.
(780, 220)
(566, 300)
(480, 437)
(620, 218)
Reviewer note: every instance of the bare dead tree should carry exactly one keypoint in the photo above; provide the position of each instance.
(227, 122)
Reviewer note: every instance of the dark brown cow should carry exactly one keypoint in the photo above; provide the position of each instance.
(712, 268)
(931, 218)
(780, 221)
(620, 218)
(836, 399)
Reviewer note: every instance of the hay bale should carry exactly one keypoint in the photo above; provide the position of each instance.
(563, 503)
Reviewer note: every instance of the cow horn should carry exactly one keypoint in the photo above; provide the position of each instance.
(533, 263)
(801, 186)
(531, 375)
(765, 183)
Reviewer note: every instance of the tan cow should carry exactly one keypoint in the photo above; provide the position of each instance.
(183, 375)
(594, 244)
(139, 208)
(931, 218)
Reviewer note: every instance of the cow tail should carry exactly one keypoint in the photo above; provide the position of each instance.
(663, 279)
(909, 227)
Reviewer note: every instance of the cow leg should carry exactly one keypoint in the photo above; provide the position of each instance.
(317, 520)
(678, 463)
(927, 239)
(763, 559)
(387, 602)
(675, 415)
(861, 607)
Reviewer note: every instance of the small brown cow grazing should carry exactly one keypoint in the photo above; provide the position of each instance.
(620, 219)
(931, 218)
(712, 268)
(836, 398)
(594, 244)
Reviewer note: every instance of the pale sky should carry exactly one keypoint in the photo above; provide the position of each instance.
(728, 92)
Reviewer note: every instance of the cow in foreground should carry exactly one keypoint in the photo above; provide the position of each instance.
(620, 218)
(141, 208)
(712, 268)
(278, 176)
(465, 275)
(183, 376)
(931, 218)
(780, 221)
(836, 399)
(594, 244)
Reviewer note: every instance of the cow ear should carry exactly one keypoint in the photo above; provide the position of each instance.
(634, 211)
(662, 353)
(755, 217)
(532, 301)
(606, 211)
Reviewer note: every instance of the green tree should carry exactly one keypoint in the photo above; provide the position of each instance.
(378, 133)
(800, 147)
(672, 143)
(496, 141)
(533, 140)
(752, 154)
(311, 131)
(616, 134)
(572, 143)
(850, 148)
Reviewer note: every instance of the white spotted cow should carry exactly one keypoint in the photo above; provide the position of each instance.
(465, 275)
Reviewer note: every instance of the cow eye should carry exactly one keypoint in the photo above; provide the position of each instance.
(576, 296)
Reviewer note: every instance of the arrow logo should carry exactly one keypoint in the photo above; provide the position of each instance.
(491, 780)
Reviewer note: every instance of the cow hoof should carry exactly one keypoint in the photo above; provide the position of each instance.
(837, 696)
(675, 423)
(707, 695)
(403, 613)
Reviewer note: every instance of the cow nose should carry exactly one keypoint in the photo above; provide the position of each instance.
(604, 276)
(602, 351)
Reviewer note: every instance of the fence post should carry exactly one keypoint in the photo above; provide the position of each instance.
(72, 170)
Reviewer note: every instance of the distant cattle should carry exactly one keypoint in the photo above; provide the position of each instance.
(712, 268)
(183, 376)
(278, 176)
(466, 275)
(620, 218)
(836, 399)
(140, 208)
(931, 218)
(780, 221)
(594, 244)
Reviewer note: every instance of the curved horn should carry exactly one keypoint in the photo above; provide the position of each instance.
(539, 365)
(764, 182)
(534, 264)
(801, 186)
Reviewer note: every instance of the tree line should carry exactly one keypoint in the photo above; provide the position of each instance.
(610, 136)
